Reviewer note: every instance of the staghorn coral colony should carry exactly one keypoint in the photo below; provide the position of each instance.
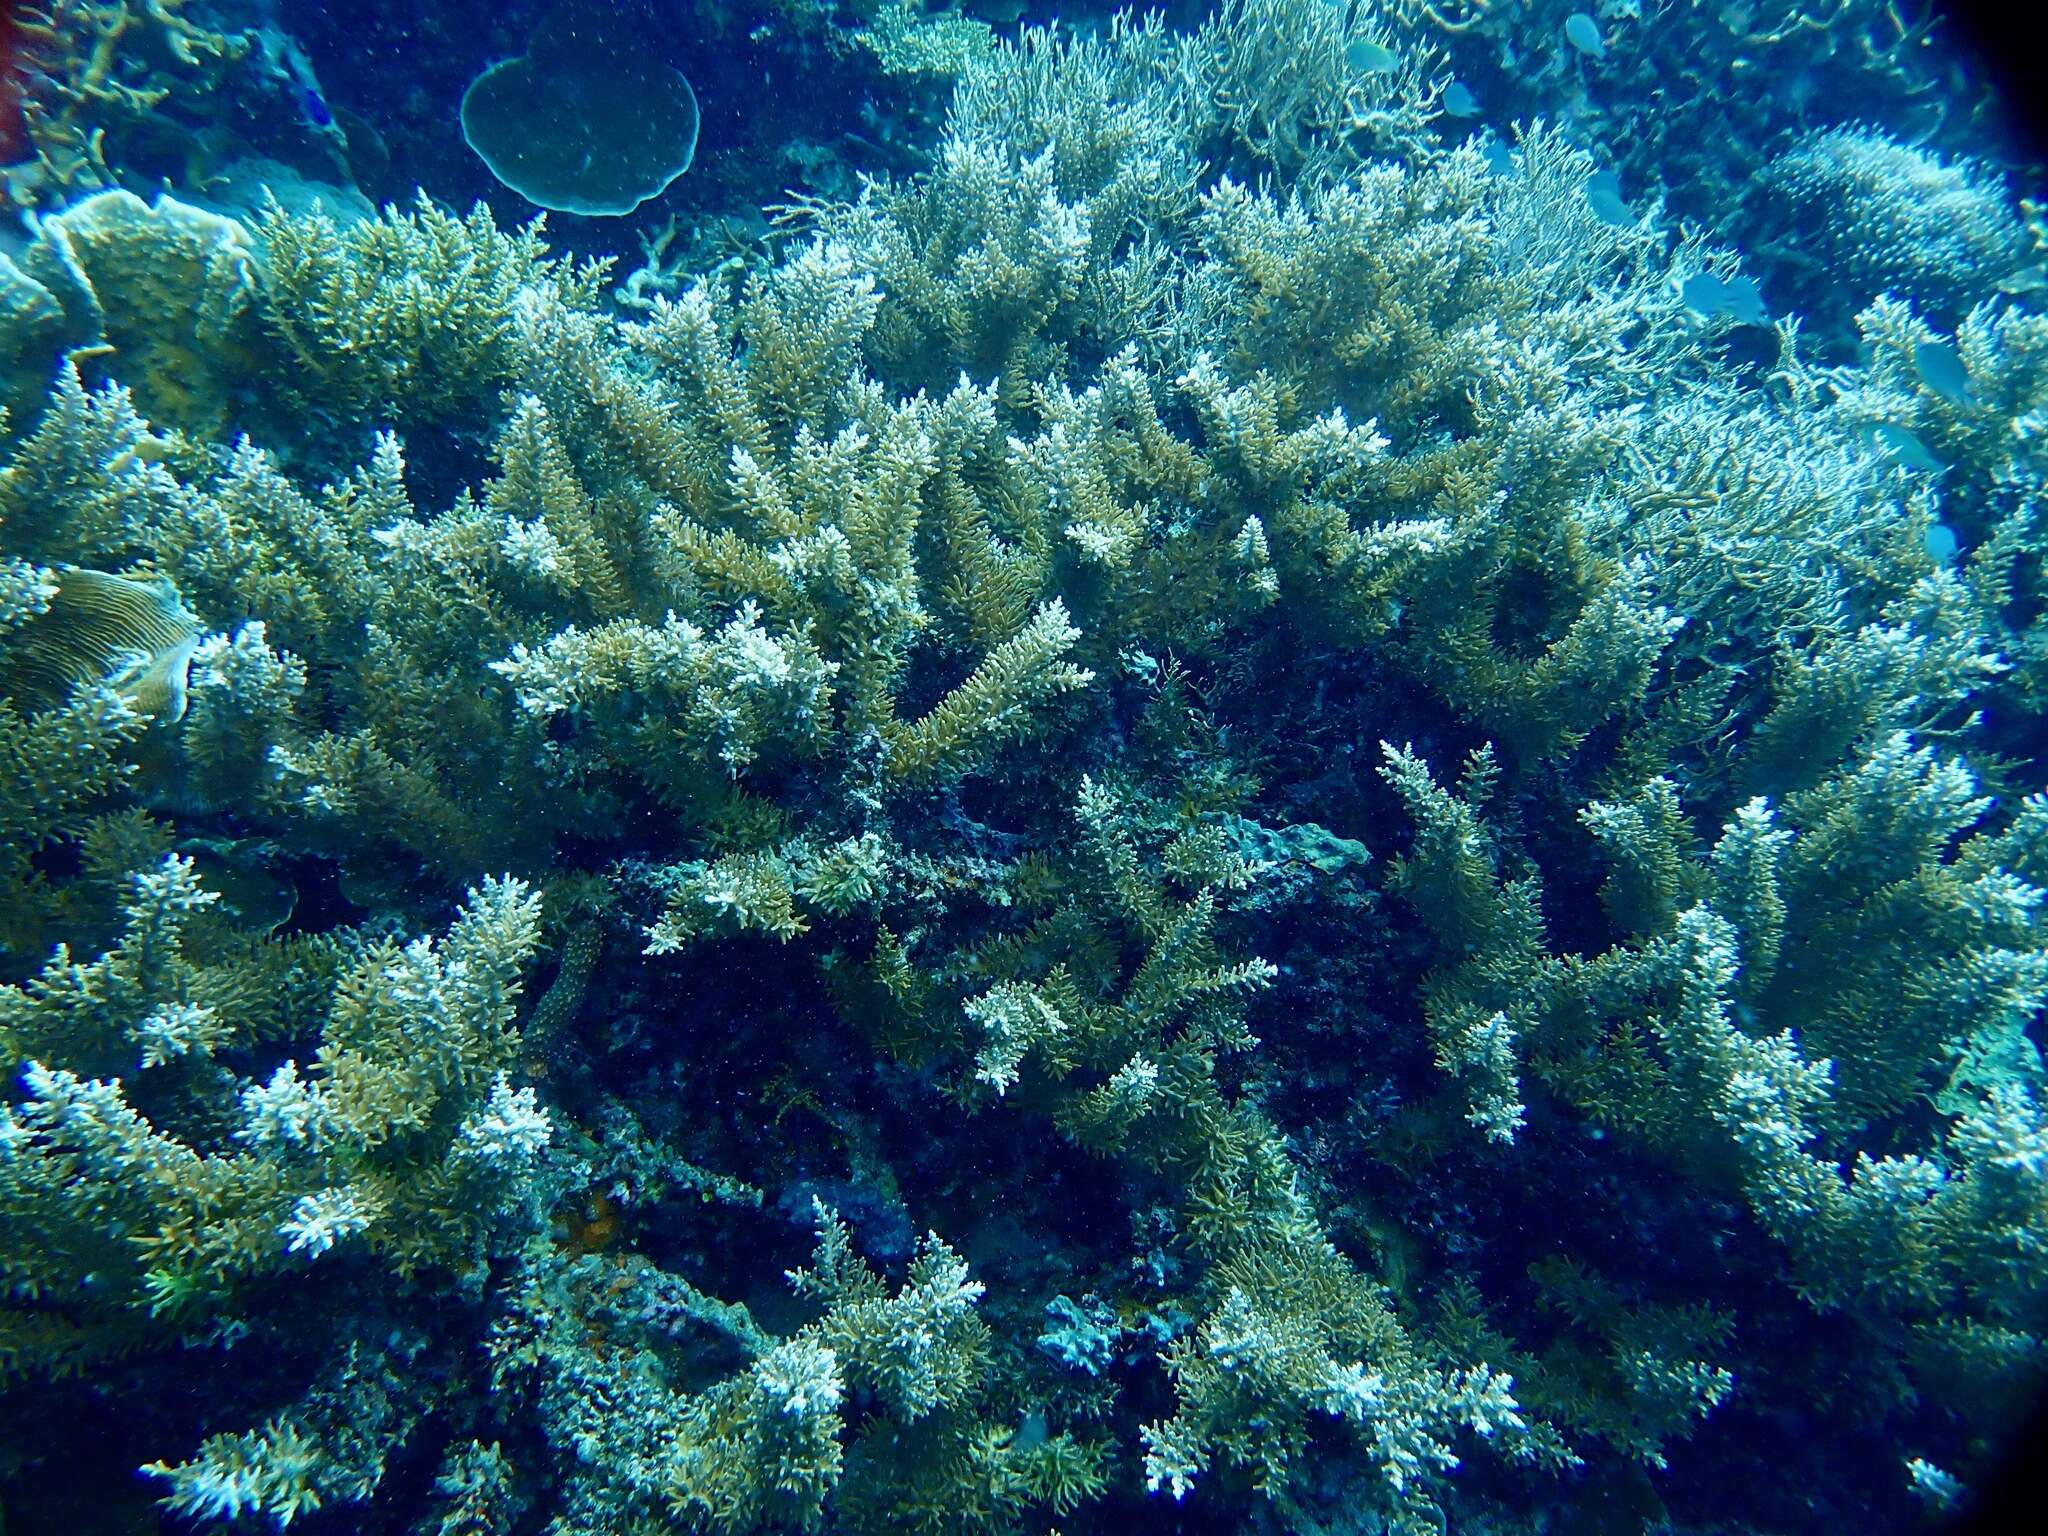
(1274, 769)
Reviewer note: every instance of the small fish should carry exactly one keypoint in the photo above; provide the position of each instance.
(1499, 158)
(1942, 543)
(1603, 196)
(1583, 33)
(315, 106)
(1743, 302)
(1903, 448)
(2027, 280)
(1941, 369)
(1371, 58)
(1735, 298)
(1460, 102)
(1702, 294)
(1031, 1432)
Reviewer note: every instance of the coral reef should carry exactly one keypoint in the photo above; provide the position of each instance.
(155, 95)
(102, 74)
(1208, 815)
(1860, 215)
(160, 295)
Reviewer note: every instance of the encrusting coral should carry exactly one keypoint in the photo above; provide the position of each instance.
(1188, 708)
(160, 295)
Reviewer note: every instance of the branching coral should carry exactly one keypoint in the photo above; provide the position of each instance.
(934, 675)
(99, 72)
(1876, 217)
(160, 1219)
(408, 315)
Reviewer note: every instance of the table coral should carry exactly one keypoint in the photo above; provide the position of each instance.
(621, 126)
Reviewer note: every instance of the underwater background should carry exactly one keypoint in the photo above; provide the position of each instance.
(1273, 767)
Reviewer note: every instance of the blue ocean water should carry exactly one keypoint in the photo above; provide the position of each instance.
(861, 765)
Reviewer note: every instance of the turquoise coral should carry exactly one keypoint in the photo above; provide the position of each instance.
(620, 125)
(1195, 706)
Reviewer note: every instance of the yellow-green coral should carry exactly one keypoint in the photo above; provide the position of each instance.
(1226, 685)
(391, 1135)
(407, 314)
(160, 294)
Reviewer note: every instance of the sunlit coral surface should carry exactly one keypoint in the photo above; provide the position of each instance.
(1274, 768)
